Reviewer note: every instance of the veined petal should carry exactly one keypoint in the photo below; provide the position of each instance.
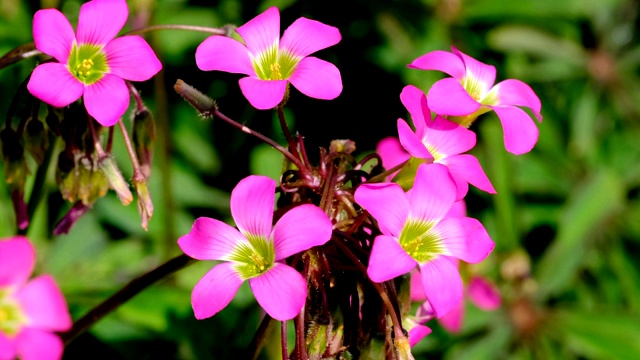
(452, 321)
(433, 193)
(440, 60)
(210, 239)
(37, 344)
(418, 333)
(416, 292)
(465, 239)
(520, 132)
(131, 58)
(415, 102)
(459, 209)
(7, 347)
(281, 291)
(54, 84)
(515, 92)
(53, 34)
(17, 258)
(263, 94)
(480, 74)
(484, 294)
(387, 203)
(317, 78)
(447, 138)
(100, 21)
(215, 290)
(467, 167)
(252, 205)
(411, 142)
(107, 100)
(224, 54)
(391, 152)
(52, 314)
(262, 32)
(448, 97)
(442, 285)
(388, 259)
(301, 228)
(304, 37)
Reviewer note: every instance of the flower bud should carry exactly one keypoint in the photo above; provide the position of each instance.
(318, 340)
(345, 146)
(205, 105)
(36, 139)
(117, 182)
(145, 205)
(144, 135)
(403, 348)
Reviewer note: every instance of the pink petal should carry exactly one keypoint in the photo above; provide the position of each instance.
(224, 54)
(210, 239)
(100, 21)
(131, 58)
(301, 228)
(467, 167)
(54, 84)
(17, 258)
(465, 238)
(53, 34)
(388, 259)
(483, 74)
(263, 94)
(411, 142)
(452, 321)
(448, 97)
(484, 294)
(107, 100)
(418, 333)
(416, 290)
(317, 79)
(433, 193)
(304, 37)
(262, 32)
(281, 291)
(449, 138)
(440, 60)
(520, 132)
(7, 347)
(515, 92)
(252, 205)
(415, 102)
(459, 209)
(442, 284)
(387, 203)
(36, 344)
(51, 314)
(391, 152)
(215, 290)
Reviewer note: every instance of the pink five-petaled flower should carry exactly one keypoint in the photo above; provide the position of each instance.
(441, 141)
(91, 63)
(416, 232)
(271, 62)
(255, 251)
(30, 311)
(470, 92)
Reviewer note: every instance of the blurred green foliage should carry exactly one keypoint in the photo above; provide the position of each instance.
(566, 219)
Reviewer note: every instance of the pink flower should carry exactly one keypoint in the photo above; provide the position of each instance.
(30, 311)
(470, 92)
(91, 63)
(271, 62)
(255, 251)
(441, 141)
(417, 232)
(391, 153)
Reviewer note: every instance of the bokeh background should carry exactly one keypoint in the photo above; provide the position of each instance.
(566, 219)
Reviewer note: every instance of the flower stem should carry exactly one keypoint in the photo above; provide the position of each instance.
(137, 173)
(129, 291)
(283, 340)
(203, 29)
(287, 133)
(260, 337)
(380, 177)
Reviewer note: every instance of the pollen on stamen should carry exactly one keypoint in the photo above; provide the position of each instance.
(275, 72)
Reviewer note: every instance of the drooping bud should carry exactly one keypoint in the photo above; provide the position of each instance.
(205, 105)
(64, 225)
(117, 182)
(145, 204)
(144, 135)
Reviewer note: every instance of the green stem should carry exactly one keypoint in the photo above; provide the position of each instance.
(203, 29)
(260, 337)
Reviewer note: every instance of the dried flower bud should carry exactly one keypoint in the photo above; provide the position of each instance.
(145, 205)
(117, 182)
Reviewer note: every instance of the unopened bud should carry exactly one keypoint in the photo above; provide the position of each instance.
(318, 338)
(117, 182)
(403, 348)
(145, 205)
(205, 105)
(144, 135)
(64, 225)
(36, 140)
(345, 146)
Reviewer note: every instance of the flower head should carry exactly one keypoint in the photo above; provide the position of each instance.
(416, 231)
(92, 63)
(441, 141)
(255, 251)
(30, 311)
(272, 62)
(470, 92)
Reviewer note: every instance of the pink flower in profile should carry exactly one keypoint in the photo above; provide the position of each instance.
(92, 63)
(255, 251)
(417, 232)
(470, 92)
(30, 311)
(272, 62)
(441, 141)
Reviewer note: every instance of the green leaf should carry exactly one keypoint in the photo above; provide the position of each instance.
(267, 161)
